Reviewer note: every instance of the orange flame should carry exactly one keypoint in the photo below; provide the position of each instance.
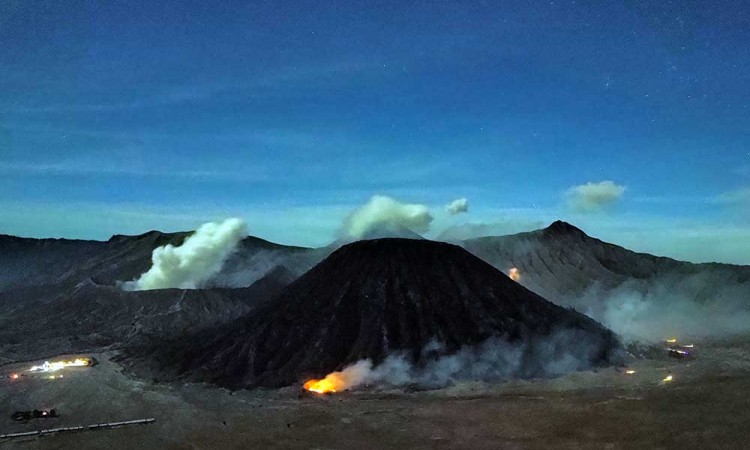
(326, 385)
(352, 376)
(514, 274)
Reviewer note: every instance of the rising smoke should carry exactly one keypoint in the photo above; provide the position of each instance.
(704, 305)
(191, 264)
(458, 206)
(385, 213)
(496, 359)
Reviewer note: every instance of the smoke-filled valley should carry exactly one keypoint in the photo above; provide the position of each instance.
(639, 296)
(392, 314)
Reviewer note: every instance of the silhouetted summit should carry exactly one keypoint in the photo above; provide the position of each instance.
(560, 228)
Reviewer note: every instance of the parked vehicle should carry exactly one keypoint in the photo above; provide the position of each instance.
(25, 416)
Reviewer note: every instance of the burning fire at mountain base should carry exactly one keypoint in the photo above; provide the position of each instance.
(334, 382)
(514, 274)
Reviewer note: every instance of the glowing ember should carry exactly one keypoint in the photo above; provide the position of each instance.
(630, 372)
(672, 341)
(59, 365)
(514, 274)
(667, 379)
(14, 376)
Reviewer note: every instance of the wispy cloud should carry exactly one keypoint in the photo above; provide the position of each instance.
(594, 197)
(91, 168)
(266, 83)
(270, 137)
(672, 199)
(739, 196)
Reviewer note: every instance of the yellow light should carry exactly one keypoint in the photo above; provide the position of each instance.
(630, 372)
(672, 340)
(54, 366)
(668, 379)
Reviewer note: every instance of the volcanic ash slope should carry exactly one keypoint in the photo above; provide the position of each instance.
(371, 299)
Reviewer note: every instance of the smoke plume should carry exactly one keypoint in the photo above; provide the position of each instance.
(699, 306)
(189, 265)
(593, 197)
(458, 206)
(496, 359)
(386, 213)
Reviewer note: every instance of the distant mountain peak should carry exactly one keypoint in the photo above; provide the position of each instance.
(560, 227)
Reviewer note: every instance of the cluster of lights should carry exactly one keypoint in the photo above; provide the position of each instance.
(59, 365)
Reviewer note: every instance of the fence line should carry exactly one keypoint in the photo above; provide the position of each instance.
(96, 426)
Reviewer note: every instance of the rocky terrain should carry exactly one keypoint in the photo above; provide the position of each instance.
(26, 262)
(45, 321)
(64, 292)
(705, 407)
(59, 295)
(564, 264)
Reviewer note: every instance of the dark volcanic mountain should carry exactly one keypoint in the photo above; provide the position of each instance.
(60, 295)
(570, 268)
(27, 262)
(41, 321)
(367, 300)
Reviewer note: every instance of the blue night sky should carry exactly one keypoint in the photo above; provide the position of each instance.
(120, 118)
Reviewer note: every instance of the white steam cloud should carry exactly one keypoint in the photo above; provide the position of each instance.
(385, 213)
(593, 197)
(189, 265)
(458, 206)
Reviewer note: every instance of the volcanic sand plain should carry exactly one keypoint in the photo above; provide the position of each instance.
(705, 406)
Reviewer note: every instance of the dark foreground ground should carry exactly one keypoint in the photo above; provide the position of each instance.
(706, 406)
